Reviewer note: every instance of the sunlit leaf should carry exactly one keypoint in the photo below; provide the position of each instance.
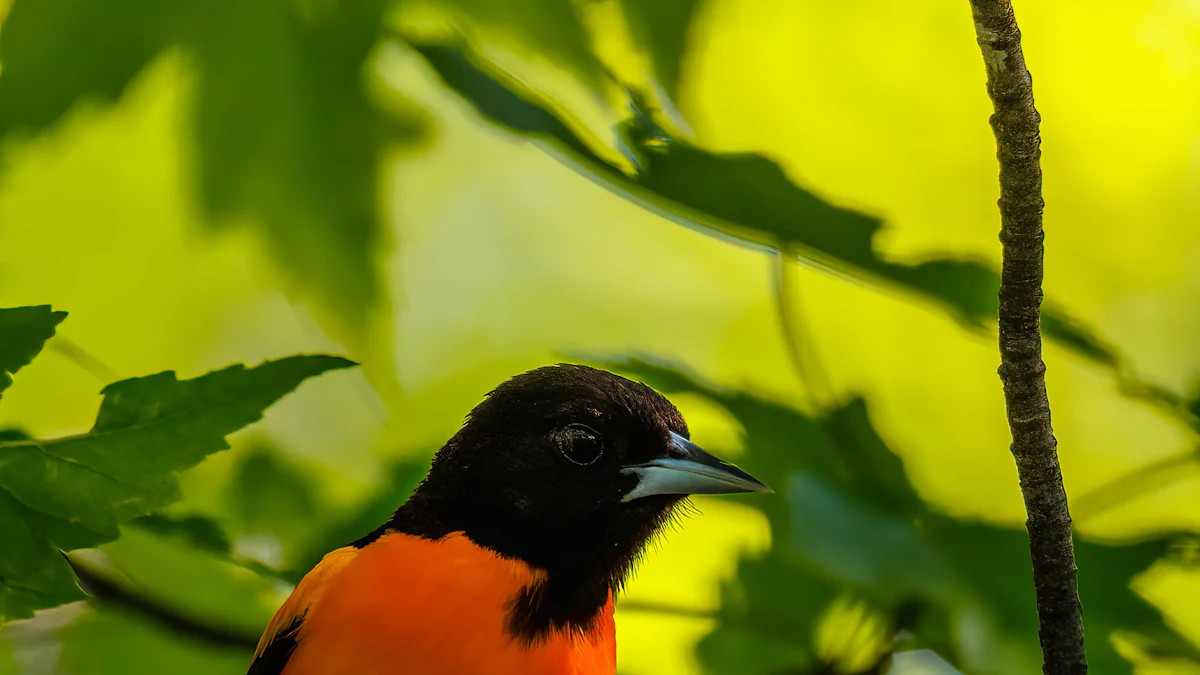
(661, 26)
(742, 196)
(23, 331)
(73, 492)
(551, 29)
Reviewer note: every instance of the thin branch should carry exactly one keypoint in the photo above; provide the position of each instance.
(1018, 149)
(108, 591)
(1134, 484)
(797, 339)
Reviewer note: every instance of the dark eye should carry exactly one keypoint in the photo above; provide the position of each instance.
(581, 444)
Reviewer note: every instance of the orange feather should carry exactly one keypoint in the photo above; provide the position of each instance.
(405, 604)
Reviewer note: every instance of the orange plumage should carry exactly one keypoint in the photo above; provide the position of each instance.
(406, 604)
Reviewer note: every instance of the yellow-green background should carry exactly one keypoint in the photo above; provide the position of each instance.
(502, 259)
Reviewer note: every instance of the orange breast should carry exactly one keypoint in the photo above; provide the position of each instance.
(406, 604)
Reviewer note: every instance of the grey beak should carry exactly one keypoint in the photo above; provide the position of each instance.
(696, 473)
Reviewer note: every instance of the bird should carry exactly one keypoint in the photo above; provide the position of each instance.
(507, 556)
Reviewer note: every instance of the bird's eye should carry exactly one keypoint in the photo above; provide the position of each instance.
(581, 444)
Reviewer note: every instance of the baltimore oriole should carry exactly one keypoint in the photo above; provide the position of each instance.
(506, 558)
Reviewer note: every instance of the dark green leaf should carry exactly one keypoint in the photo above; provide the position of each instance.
(147, 429)
(288, 137)
(14, 434)
(744, 196)
(1080, 339)
(769, 617)
(198, 531)
(504, 101)
(58, 52)
(878, 554)
(23, 331)
(33, 574)
(73, 492)
(661, 26)
(269, 494)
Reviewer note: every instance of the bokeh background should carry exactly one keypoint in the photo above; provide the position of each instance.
(207, 183)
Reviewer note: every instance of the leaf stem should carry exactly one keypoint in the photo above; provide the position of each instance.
(1015, 124)
(108, 591)
(797, 339)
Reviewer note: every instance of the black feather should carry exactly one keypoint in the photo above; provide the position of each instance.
(279, 650)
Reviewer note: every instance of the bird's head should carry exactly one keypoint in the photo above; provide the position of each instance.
(570, 469)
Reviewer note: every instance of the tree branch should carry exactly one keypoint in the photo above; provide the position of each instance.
(105, 590)
(1015, 125)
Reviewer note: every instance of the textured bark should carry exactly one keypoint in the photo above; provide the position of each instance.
(1018, 149)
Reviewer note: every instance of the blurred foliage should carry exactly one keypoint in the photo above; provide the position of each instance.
(850, 522)
(747, 198)
(73, 492)
(291, 112)
(291, 141)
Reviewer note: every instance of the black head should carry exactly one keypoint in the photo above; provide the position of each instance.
(570, 469)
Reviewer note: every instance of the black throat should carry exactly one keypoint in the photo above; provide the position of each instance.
(583, 562)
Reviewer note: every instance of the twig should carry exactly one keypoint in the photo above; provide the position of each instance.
(1018, 149)
(1133, 484)
(797, 340)
(108, 591)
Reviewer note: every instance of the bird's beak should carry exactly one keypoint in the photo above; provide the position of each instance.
(696, 473)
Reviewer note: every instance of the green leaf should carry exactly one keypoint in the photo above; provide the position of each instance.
(73, 492)
(289, 137)
(58, 52)
(198, 531)
(267, 493)
(33, 574)
(875, 553)
(661, 26)
(769, 618)
(552, 29)
(1077, 337)
(742, 196)
(147, 429)
(287, 134)
(23, 332)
